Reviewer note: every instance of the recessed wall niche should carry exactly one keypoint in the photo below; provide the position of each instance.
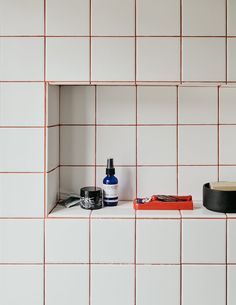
(149, 130)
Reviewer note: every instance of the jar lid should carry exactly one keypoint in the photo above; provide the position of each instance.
(90, 191)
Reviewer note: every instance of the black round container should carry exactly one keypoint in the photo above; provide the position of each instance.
(93, 199)
(219, 201)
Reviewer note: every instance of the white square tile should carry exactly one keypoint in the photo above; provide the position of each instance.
(157, 18)
(156, 180)
(113, 18)
(67, 284)
(157, 105)
(21, 241)
(52, 148)
(231, 59)
(52, 188)
(68, 59)
(112, 241)
(111, 102)
(158, 59)
(73, 178)
(121, 147)
(53, 98)
(157, 145)
(227, 105)
(192, 178)
(231, 295)
(196, 18)
(203, 241)
(112, 284)
(231, 223)
(158, 241)
(231, 17)
(228, 173)
(21, 150)
(203, 151)
(67, 17)
(197, 105)
(77, 145)
(22, 104)
(21, 59)
(29, 190)
(127, 181)
(77, 105)
(203, 285)
(203, 59)
(26, 18)
(67, 241)
(123, 210)
(21, 285)
(158, 285)
(113, 59)
(227, 145)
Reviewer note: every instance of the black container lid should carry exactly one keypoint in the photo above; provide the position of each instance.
(110, 170)
(90, 191)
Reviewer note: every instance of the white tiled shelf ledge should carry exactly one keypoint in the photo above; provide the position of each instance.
(125, 210)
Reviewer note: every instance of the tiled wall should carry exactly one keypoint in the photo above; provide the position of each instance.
(123, 42)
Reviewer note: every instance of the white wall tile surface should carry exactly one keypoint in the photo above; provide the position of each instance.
(113, 18)
(198, 105)
(77, 105)
(158, 241)
(196, 18)
(67, 17)
(22, 150)
(112, 284)
(158, 59)
(204, 241)
(156, 105)
(157, 145)
(201, 152)
(21, 58)
(21, 241)
(29, 190)
(158, 285)
(21, 18)
(108, 97)
(231, 285)
(161, 17)
(204, 285)
(67, 241)
(112, 241)
(73, 138)
(113, 59)
(67, 59)
(21, 104)
(72, 280)
(204, 59)
(21, 285)
(231, 242)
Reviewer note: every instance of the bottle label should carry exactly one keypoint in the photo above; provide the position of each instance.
(110, 193)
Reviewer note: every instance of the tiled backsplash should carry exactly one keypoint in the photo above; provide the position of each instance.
(165, 136)
(164, 139)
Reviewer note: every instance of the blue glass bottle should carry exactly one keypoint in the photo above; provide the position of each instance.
(110, 185)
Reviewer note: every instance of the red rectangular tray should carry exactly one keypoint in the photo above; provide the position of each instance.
(186, 204)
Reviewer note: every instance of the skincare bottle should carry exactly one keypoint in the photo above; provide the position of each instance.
(110, 185)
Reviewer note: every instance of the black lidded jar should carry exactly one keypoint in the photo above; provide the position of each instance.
(219, 201)
(93, 197)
